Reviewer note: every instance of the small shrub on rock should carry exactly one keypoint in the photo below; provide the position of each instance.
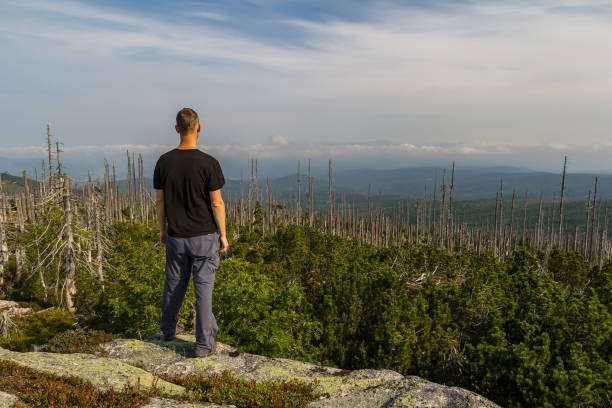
(227, 389)
(78, 341)
(38, 389)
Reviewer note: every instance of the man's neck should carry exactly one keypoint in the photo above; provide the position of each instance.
(188, 142)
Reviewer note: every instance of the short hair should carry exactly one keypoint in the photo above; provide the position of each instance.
(186, 120)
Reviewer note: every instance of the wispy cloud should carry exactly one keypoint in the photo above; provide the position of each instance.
(280, 147)
(451, 78)
(208, 15)
(236, 158)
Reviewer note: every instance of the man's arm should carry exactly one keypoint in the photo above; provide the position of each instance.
(218, 207)
(160, 210)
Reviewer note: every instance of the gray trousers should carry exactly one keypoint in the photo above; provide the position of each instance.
(183, 255)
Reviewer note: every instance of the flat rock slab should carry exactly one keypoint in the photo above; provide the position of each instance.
(102, 372)
(168, 403)
(411, 392)
(8, 400)
(132, 361)
(340, 388)
(171, 358)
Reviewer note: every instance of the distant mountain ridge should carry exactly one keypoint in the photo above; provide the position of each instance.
(470, 182)
(14, 184)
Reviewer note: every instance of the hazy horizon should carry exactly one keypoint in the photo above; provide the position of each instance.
(78, 162)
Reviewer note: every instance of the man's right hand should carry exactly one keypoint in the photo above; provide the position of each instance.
(224, 244)
(163, 236)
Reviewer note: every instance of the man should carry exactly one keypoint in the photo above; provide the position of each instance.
(187, 186)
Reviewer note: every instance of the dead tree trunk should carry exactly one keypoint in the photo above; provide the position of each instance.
(3, 238)
(20, 213)
(59, 162)
(26, 199)
(587, 229)
(330, 200)
(98, 238)
(450, 210)
(298, 207)
(501, 213)
(310, 199)
(39, 266)
(20, 260)
(525, 221)
(560, 232)
(593, 212)
(50, 153)
(442, 217)
(539, 229)
(70, 272)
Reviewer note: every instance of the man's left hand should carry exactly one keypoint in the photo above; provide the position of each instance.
(163, 236)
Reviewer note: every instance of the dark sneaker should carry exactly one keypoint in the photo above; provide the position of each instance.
(158, 336)
(198, 353)
(161, 336)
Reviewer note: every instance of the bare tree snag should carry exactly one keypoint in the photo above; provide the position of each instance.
(560, 232)
(70, 272)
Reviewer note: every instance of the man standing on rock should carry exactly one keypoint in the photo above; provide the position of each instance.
(187, 186)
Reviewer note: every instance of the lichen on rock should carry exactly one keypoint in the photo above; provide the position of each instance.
(131, 361)
(339, 388)
(161, 357)
(168, 403)
(102, 372)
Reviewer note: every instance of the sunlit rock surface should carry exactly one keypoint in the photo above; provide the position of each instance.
(103, 373)
(134, 361)
(168, 403)
(340, 388)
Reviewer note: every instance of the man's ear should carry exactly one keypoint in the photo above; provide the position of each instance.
(198, 127)
(177, 129)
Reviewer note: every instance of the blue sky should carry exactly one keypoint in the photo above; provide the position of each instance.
(380, 84)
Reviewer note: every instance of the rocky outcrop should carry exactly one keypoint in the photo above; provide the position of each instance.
(130, 360)
(340, 388)
(102, 372)
(168, 403)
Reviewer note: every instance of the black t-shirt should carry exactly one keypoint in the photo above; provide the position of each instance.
(187, 176)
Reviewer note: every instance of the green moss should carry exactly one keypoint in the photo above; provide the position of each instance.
(36, 328)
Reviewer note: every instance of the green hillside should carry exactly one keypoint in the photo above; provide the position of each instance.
(14, 184)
